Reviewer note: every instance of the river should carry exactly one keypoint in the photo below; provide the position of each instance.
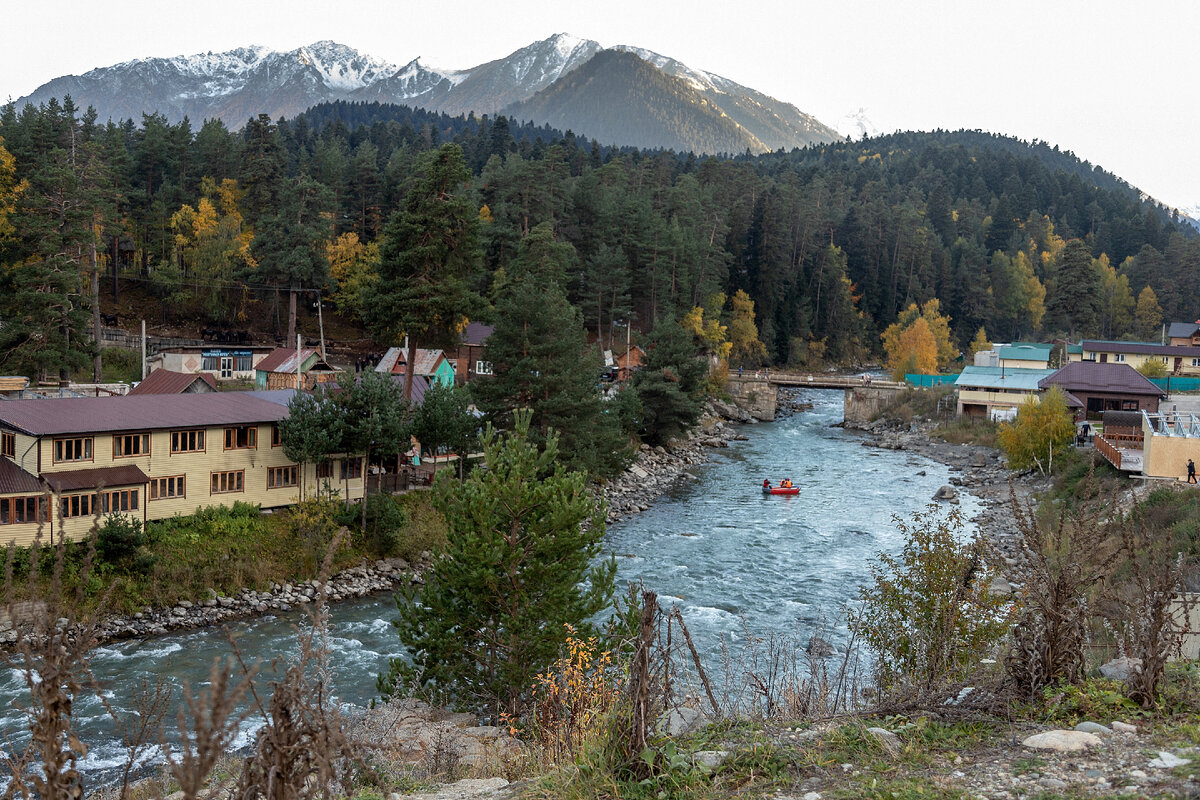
(737, 562)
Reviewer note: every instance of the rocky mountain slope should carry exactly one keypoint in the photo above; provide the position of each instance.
(681, 107)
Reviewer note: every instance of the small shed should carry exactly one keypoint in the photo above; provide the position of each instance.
(279, 369)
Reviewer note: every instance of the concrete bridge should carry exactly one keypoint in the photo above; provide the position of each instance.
(863, 398)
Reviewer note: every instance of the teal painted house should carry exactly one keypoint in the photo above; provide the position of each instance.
(430, 364)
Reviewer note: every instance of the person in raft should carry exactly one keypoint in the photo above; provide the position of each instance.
(766, 483)
(786, 483)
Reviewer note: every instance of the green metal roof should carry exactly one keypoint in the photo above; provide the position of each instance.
(1002, 379)
(1026, 351)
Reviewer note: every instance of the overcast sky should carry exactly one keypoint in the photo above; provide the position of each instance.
(1113, 82)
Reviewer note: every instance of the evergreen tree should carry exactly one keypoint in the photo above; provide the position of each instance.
(670, 385)
(444, 420)
(541, 361)
(1074, 305)
(313, 430)
(428, 259)
(493, 612)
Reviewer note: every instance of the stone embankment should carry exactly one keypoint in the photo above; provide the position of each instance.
(657, 469)
(357, 581)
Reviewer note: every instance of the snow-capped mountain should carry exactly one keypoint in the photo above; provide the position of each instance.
(239, 84)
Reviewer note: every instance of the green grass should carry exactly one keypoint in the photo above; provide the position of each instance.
(230, 549)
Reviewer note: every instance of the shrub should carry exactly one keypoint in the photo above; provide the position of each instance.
(386, 523)
(121, 542)
(927, 615)
(1040, 431)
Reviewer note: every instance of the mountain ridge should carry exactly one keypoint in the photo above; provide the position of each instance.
(244, 82)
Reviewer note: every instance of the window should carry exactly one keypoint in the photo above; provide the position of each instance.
(73, 449)
(8, 443)
(351, 468)
(1196, 362)
(276, 441)
(483, 368)
(187, 441)
(164, 488)
(280, 477)
(1129, 405)
(1119, 358)
(15, 510)
(242, 363)
(119, 500)
(325, 468)
(232, 481)
(243, 437)
(78, 505)
(131, 444)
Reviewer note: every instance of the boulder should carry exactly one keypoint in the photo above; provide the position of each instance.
(1094, 727)
(683, 720)
(1063, 741)
(1121, 669)
(889, 740)
(946, 493)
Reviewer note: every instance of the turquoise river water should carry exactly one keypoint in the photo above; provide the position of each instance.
(738, 564)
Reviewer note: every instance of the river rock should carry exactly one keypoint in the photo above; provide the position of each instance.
(683, 720)
(1121, 669)
(1167, 760)
(1094, 727)
(1063, 741)
(889, 740)
(946, 493)
(1123, 727)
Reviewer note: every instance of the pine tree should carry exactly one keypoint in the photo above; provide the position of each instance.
(670, 385)
(1074, 305)
(541, 361)
(494, 611)
(428, 259)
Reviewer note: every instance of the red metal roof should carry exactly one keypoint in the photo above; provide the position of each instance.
(1094, 377)
(137, 413)
(164, 381)
(14, 480)
(107, 477)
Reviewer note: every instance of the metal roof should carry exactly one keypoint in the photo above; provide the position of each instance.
(1000, 379)
(14, 480)
(164, 381)
(1183, 330)
(1096, 378)
(1026, 351)
(137, 413)
(283, 359)
(106, 477)
(393, 361)
(1141, 348)
(476, 333)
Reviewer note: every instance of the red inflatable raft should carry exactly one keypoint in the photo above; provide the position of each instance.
(781, 490)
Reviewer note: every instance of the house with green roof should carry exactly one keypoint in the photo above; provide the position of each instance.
(1025, 355)
(997, 392)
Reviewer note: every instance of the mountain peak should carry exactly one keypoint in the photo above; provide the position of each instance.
(244, 82)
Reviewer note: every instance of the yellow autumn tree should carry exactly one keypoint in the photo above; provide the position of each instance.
(931, 355)
(743, 332)
(704, 322)
(979, 344)
(1042, 428)
(212, 244)
(1148, 315)
(354, 266)
(10, 190)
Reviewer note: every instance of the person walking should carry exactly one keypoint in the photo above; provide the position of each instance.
(1191, 471)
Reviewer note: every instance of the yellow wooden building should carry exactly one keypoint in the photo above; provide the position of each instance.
(65, 462)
